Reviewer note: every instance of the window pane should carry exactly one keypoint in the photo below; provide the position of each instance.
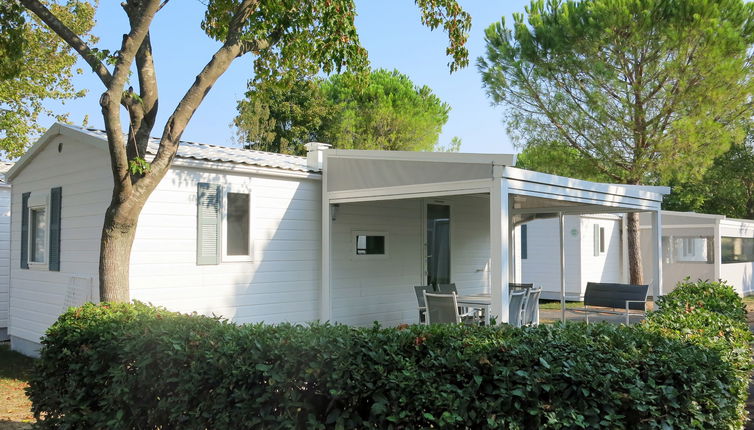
(737, 249)
(238, 224)
(370, 245)
(438, 244)
(692, 249)
(38, 223)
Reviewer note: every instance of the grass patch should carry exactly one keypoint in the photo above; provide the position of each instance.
(555, 305)
(15, 407)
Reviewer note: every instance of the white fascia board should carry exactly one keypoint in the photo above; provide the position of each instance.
(555, 192)
(617, 203)
(241, 168)
(410, 191)
(745, 227)
(679, 226)
(443, 157)
(57, 129)
(639, 191)
(711, 217)
(733, 221)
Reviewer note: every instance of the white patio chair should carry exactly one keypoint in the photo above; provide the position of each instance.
(422, 304)
(516, 307)
(531, 309)
(441, 308)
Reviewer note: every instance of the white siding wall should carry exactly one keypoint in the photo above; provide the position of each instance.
(469, 243)
(4, 259)
(375, 288)
(607, 266)
(37, 297)
(368, 289)
(738, 275)
(542, 267)
(280, 284)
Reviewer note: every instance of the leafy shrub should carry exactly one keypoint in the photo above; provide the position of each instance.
(713, 316)
(136, 366)
(717, 297)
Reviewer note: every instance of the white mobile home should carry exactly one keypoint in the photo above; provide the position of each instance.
(705, 246)
(4, 250)
(252, 236)
(594, 252)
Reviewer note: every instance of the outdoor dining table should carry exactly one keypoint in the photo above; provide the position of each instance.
(481, 300)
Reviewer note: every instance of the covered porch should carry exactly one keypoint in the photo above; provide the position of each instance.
(392, 220)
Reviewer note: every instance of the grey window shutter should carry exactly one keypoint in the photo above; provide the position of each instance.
(56, 200)
(25, 230)
(596, 240)
(208, 199)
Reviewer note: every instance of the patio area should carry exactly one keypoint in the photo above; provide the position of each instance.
(393, 220)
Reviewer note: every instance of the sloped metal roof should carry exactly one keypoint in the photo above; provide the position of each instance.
(225, 154)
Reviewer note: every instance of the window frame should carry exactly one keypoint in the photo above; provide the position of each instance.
(225, 258)
(354, 238)
(35, 203)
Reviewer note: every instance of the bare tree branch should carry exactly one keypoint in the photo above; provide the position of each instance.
(176, 124)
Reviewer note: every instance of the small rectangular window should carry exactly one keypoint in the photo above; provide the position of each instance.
(370, 244)
(602, 239)
(238, 224)
(37, 234)
(524, 242)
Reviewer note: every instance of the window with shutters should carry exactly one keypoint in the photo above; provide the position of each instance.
(223, 224)
(40, 230)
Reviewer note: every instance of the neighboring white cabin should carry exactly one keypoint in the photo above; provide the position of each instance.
(594, 252)
(275, 205)
(4, 251)
(705, 246)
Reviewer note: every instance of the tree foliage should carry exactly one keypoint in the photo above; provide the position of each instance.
(557, 158)
(644, 90)
(35, 66)
(382, 110)
(727, 188)
(282, 115)
(639, 91)
(286, 37)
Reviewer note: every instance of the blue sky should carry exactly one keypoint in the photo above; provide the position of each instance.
(389, 29)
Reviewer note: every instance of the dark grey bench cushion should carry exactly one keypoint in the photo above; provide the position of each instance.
(612, 295)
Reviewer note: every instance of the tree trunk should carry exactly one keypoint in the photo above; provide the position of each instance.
(635, 269)
(115, 254)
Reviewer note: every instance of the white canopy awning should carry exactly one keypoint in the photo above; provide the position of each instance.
(515, 195)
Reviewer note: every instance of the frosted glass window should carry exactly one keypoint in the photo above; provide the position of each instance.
(687, 249)
(38, 234)
(238, 224)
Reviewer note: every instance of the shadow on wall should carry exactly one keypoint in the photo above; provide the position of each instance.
(280, 282)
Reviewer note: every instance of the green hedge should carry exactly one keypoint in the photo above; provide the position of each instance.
(136, 366)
